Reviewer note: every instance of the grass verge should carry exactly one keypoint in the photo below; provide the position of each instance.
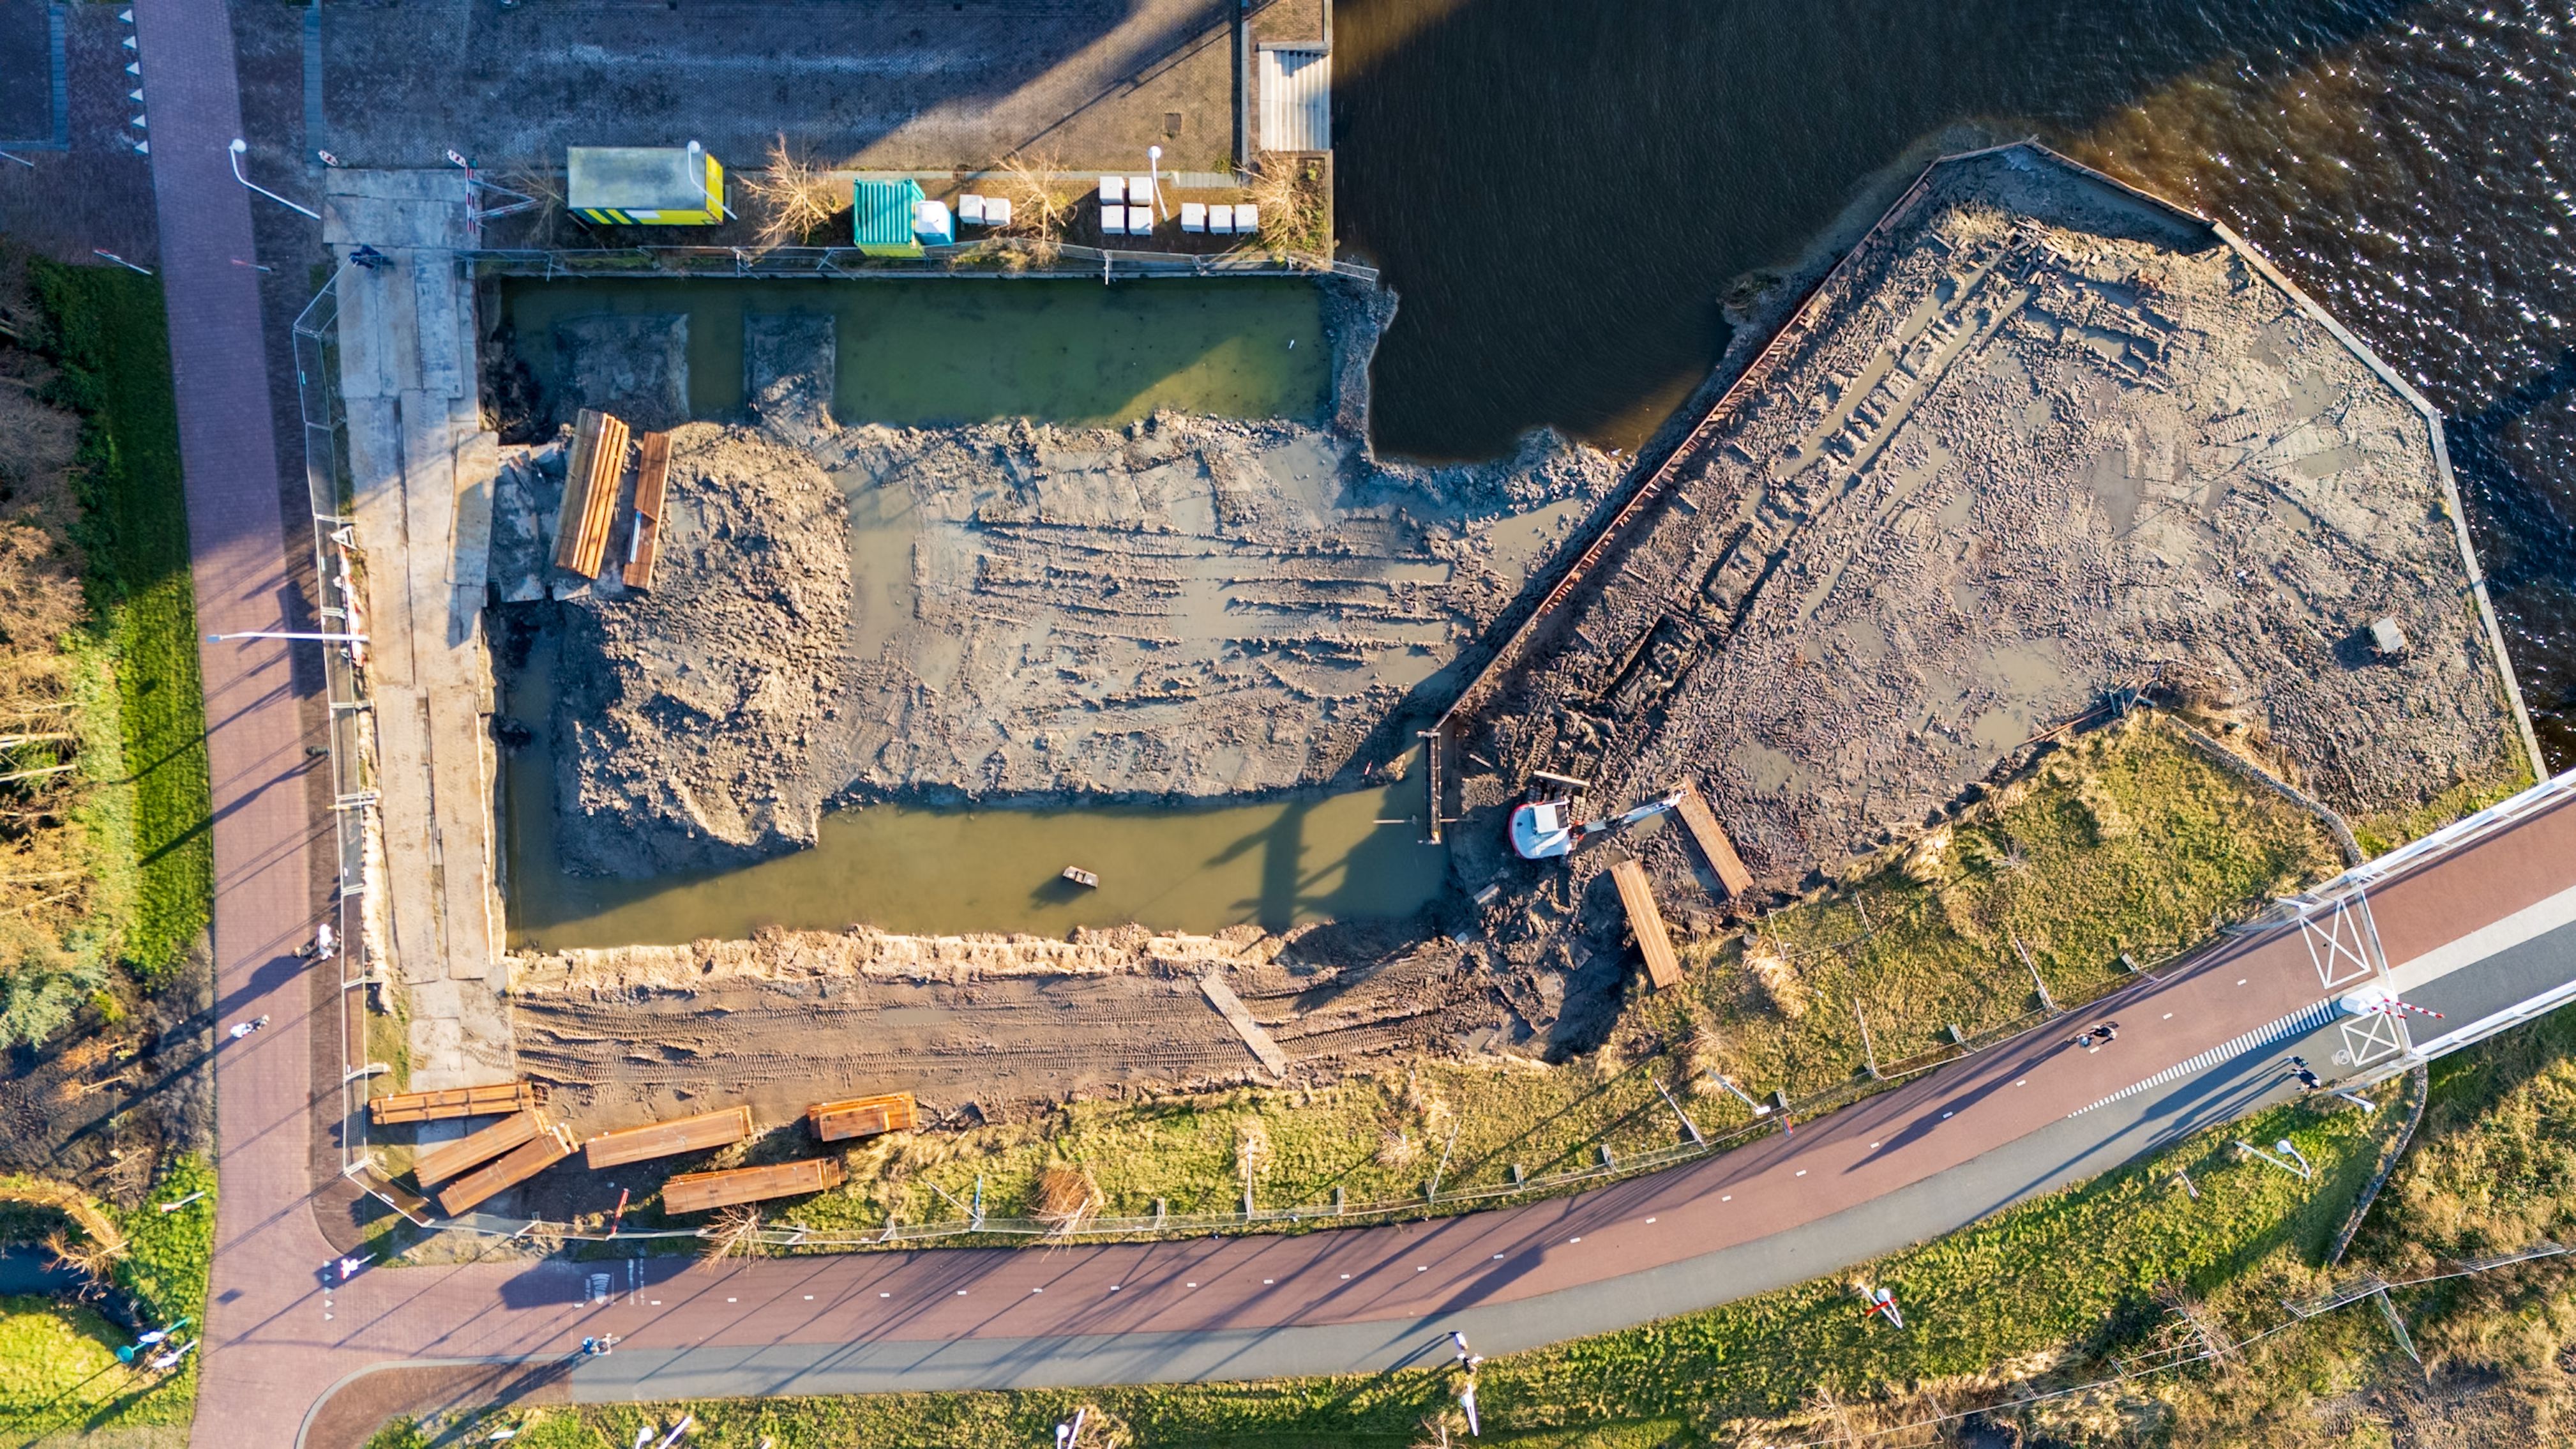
(112, 349)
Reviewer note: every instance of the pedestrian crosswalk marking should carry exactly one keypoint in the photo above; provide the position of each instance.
(2262, 1036)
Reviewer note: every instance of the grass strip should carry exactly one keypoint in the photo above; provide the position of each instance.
(111, 346)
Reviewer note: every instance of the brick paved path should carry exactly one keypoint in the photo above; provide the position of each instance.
(266, 1241)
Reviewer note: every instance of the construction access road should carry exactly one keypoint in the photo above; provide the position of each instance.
(2478, 923)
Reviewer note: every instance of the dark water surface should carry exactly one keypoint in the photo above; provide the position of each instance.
(1565, 194)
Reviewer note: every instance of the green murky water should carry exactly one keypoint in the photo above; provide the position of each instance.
(903, 868)
(928, 351)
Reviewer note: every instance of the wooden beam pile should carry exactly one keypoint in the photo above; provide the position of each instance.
(697, 1192)
(485, 1101)
(861, 1116)
(592, 479)
(644, 535)
(510, 1169)
(668, 1139)
(434, 1165)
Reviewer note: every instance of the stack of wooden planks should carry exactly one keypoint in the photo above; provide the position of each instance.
(644, 535)
(1713, 843)
(486, 1101)
(862, 1116)
(1662, 967)
(436, 1164)
(666, 1139)
(697, 1192)
(551, 1145)
(592, 479)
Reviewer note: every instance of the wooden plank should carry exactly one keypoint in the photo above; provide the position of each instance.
(1713, 842)
(1231, 1007)
(592, 476)
(862, 1116)
(576, 489)
(508, 1170)
(697, 1192)
(664, 1139)
(490, 1100)
(1662, 967)
(436, 1164)
(644, 542)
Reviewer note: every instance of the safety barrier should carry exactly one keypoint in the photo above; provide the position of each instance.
(997, 257)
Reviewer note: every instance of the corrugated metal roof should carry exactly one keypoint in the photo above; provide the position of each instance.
(881, 213)
(1296, 98)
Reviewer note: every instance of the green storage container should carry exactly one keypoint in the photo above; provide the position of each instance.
(881, 217)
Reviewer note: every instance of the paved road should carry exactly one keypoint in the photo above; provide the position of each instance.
(2197, 1047)
(263, 828)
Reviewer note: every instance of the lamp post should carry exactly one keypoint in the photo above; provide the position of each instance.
(238, 147)
(1154, 177)
(285, 634)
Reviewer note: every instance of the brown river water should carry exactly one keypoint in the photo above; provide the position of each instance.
(1565, 196)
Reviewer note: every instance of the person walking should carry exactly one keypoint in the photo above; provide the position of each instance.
(2307, 1079)
(1459, 1340)
(244, 1028)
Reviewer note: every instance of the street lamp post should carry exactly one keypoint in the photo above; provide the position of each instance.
(1154, 177)
(238, 147)
(285, 634)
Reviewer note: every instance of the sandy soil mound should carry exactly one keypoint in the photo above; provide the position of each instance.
(1186, 607)
(682, 740)
(2038, 441)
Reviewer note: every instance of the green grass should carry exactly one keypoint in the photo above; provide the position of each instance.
(112, 348)
(2126, 842)
(166, 1265)
(57, 1363)
(2081, 1266)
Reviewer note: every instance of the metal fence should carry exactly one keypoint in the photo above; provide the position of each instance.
(339, 570)
(997, 257)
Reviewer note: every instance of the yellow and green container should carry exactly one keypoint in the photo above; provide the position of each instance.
(645, 185)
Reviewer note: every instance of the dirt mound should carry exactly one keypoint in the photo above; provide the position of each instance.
(683, 736)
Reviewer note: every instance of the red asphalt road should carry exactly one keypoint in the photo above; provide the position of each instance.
(277, 1342)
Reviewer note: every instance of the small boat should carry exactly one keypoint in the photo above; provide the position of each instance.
(1081, 877)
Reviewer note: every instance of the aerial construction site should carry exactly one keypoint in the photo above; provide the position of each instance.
(2041, 454)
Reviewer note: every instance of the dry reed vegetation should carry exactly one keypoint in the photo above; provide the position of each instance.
(1063, 1197)
(734, 1234)
(797, 197)
(93, 1245)
(1296, 204)
(1040, 207)
(52, 951)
